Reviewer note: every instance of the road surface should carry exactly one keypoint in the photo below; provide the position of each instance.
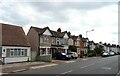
(97, 66)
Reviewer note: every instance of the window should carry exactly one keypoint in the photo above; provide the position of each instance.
(22, 52)
(57, 42)
(48, 39)
(45, 39)
(65, 41)
(43, 51)
(8, 53)
(25, 52)
(11, 53)
(19, 50)
(41, 39)
(49, 51)
(15, 52)
(53, 41)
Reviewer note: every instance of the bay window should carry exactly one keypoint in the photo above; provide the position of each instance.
(16, 52)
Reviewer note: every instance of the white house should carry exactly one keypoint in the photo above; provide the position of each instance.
(15, 46)
(115, 48)
(65, 41)
(106, 47)
(92, 45)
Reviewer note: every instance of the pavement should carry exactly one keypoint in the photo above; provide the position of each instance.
(15, 67)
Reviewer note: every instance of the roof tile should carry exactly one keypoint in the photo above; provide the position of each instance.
(13, 36)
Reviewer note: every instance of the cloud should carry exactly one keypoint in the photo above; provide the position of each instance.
(77, 17)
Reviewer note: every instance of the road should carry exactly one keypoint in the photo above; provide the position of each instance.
(108, 66)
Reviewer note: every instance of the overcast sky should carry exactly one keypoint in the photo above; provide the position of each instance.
(76, 16)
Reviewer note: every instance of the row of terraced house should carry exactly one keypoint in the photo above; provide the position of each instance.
(41, 43)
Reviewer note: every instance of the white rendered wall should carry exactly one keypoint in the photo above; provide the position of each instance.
(16, 59)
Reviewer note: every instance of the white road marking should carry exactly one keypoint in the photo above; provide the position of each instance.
(64, 73)
(67, 72)
(106, 68)
(87, 65)
(85, 59)
(19, 70)
(36, 67)
(3, 73)
(70, 61)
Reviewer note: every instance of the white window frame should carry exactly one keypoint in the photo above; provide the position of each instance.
(11, 55)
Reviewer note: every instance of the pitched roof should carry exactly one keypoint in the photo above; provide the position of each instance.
(13, 35)
(63, 33)
(58, 34)
(74, 37)
(84, 39)
(40, 30)
(54, 33)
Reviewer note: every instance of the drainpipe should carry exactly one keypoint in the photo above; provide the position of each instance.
(38, 53)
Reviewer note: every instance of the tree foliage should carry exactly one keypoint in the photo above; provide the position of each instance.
(98, 50)
(72, 48)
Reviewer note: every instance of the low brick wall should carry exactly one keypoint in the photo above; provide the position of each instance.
(45, 58)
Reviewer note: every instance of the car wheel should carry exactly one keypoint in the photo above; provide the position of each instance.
(72, 57)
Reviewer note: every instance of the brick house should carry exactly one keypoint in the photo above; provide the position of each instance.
(46, 42)
(78, 42)
(59, 41)
(86, 45)
(40, 40)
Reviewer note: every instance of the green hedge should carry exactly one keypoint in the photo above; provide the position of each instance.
(91, 53)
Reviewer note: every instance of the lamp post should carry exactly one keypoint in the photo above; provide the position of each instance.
(89, 31)
(86, 42)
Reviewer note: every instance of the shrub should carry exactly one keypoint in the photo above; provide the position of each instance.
(91, 53)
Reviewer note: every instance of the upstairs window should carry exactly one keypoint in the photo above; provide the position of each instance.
(0, 51)
(41, 39)
(57, 42)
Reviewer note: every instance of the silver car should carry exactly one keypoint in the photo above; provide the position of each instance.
(73, 55)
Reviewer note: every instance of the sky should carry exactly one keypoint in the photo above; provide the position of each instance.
(76, 16)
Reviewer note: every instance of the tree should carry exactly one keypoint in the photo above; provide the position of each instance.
(98, 50)
(72, 48)
(91, 53)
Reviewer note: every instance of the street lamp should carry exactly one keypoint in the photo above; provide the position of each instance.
(89, 31)
(86, 37)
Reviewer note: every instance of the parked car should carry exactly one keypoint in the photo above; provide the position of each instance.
(111, 53)
(105, 54)
(118, 53)
(73, 55)
(62, 56)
